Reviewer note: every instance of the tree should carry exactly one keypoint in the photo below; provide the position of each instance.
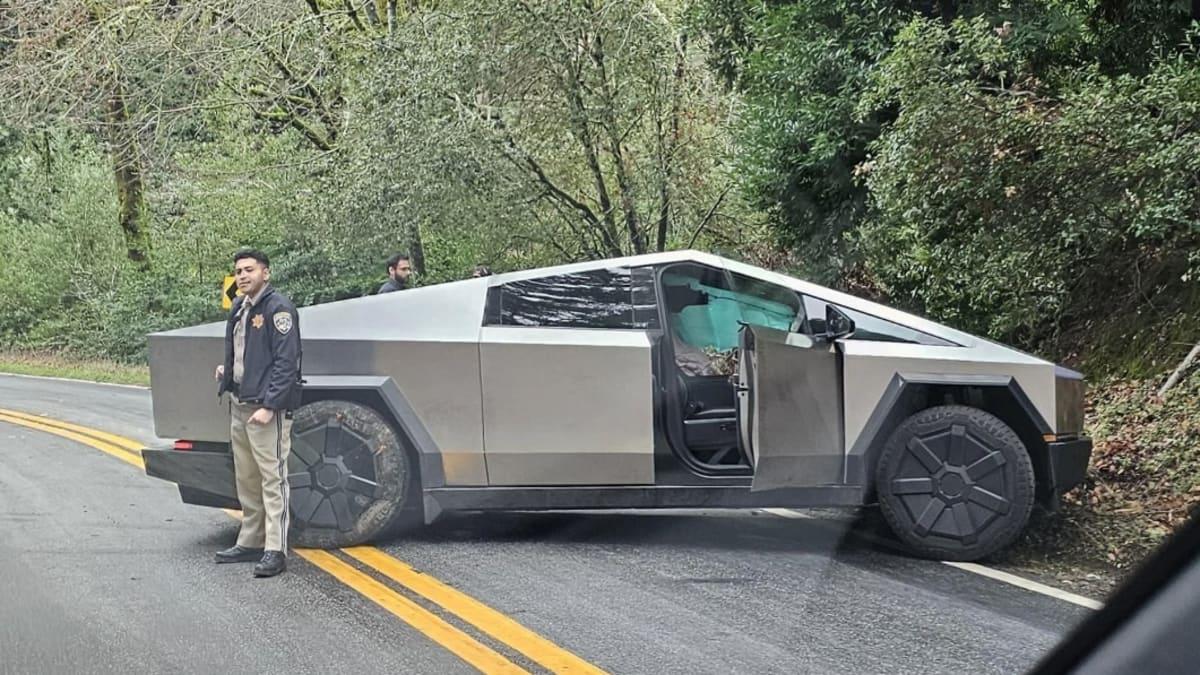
(555, 131)
(135, 75)
(83, 63)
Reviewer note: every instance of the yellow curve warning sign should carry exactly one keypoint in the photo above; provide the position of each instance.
(229, 291)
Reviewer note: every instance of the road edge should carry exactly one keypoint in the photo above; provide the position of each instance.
(971, 568)
(76, 380)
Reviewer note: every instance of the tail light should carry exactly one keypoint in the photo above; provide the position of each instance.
(184, 445)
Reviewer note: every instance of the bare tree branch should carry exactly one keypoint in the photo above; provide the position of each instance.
(707, 217)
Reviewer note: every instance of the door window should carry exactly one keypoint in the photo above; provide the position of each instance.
(761, 303)
(706, 307)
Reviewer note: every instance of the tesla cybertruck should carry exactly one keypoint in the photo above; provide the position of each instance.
(674, 380)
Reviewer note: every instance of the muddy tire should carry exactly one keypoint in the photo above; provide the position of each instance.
(349, 476)
(955, 483)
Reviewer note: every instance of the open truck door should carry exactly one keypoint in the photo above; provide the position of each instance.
(790, 408)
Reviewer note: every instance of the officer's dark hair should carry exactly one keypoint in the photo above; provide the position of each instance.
(395, 260)
(252, 253)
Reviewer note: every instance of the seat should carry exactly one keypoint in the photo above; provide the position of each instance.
(709, 419)
(713, 413)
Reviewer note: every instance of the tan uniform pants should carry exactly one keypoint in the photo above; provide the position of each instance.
(260, 455)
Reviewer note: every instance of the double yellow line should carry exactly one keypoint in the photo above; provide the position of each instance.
(124, 449)
(483, 618)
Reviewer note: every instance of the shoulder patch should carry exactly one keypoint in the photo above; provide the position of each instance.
(283, 322)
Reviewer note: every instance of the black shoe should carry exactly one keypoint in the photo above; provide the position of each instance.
(237, 554)
(272, 563)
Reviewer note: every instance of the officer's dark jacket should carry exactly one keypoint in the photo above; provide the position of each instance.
(272, 359)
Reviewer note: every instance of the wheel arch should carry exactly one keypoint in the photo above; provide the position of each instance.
(907, 394)
(384, 396)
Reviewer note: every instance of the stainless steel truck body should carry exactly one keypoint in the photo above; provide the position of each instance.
(667, 380)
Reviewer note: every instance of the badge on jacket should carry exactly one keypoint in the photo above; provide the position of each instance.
(257, 321)
(283, 322)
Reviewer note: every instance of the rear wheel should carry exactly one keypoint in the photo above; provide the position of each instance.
(955, 483)
(349, 476)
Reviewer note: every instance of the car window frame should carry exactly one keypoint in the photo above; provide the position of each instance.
(932, 340)
(727, 275)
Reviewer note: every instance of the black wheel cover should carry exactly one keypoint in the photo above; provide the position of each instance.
(955, 482)
(348, 474)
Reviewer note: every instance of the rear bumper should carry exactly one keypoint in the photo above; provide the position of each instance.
(204, 478)
(1068, 464)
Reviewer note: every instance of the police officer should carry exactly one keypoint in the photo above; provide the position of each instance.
(262, 372)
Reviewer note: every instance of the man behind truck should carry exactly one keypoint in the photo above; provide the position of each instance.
(399, 269)
(262, 373)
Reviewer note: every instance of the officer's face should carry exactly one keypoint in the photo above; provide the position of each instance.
(250, 275)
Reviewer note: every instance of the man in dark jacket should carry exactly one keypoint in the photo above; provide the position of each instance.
(399, 269)
(262, 372)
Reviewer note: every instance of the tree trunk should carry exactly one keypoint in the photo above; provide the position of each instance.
(47, 155)
(416, 249)
(131, 189)
(582, 132)
(372, 12)
(637, 240)
(669, 146)
(1179, 371)
(391, 16)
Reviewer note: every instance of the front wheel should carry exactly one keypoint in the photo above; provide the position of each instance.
(349, 476)
(955, 483)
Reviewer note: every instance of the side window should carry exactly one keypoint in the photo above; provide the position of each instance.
(608, 298)
(706, 306)
(867, 327)
(698, 312)
(762, 303)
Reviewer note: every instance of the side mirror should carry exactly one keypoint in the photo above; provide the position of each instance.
(837, 324)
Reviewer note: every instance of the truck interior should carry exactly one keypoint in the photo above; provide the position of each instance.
(705, 309)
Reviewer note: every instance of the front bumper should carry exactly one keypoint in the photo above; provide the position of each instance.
(204, 478)
(1068, 464)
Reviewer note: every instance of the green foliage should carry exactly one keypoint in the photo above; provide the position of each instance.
(69, 284)
(471, 132)
(1016, 210)
(1025, 170)
(1022, 170)
(54, 257)
(802, 134)
(58, 365)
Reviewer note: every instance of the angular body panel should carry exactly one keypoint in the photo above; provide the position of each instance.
(182, 366)
(793, 399)
(567, 407)
(426, 340)
(870, 366)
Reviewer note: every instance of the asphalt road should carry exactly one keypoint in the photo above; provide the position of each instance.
(104, 570)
